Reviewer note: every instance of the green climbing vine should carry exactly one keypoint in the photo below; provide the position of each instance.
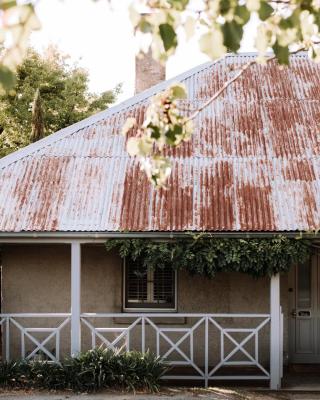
(206, 255)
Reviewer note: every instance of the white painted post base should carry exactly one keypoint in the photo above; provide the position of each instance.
(75, 298)
(275, 331)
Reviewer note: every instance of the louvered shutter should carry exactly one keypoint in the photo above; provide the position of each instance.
(164, 285)
(137, 284)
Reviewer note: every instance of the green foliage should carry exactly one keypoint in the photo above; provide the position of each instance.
(7, 78)
(168, 36)
(65, 98)
(34, 374)
(232, 33)
(265, 11)
(91, 371)
(282, 53)
(203, 255)
(222, 22)
(98, 369)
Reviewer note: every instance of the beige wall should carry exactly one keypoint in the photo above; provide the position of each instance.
(36, 278)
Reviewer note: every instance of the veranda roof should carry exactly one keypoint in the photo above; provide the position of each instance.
(253, 163)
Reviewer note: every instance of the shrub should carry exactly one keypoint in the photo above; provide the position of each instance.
(35, 374)
(8, 373)
(90, 371)
(97, 369)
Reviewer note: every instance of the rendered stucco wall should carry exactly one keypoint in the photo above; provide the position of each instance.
(36, 278)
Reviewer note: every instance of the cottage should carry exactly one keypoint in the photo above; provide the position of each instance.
(252, 169)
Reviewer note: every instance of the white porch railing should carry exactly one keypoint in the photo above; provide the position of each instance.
(208, 344)
(197, 346)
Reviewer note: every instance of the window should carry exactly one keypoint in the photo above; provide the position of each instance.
(146, 289)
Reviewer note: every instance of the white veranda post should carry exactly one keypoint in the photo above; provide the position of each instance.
(275, 332)
(75, 297)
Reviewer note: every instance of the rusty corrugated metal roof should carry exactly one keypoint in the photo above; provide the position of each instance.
(253, 163)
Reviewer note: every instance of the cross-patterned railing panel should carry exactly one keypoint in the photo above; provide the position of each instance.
(205, 343)
(29, 335)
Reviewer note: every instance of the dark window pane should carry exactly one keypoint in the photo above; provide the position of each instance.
(304, 285)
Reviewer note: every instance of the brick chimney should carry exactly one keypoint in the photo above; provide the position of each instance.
(149, 72)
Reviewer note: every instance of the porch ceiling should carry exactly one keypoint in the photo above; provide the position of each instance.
(253, 164)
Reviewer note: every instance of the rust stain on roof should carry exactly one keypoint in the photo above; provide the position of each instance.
(253, 163)
(173, 207)
(299, 170)
(217, 198)
(136, 191)
(255, 208)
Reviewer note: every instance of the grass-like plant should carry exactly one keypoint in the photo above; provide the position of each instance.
(90, 371)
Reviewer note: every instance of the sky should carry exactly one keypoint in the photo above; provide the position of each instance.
(100, 38)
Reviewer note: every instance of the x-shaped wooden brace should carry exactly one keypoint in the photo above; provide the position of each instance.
(175, 346)
(40, 345)
(110, 344)
(239, 346)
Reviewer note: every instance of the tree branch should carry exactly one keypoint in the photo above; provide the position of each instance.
(286, 2)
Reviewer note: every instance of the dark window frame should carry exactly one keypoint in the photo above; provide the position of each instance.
(132, 306)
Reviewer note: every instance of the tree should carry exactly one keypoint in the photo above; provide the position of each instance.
(37, 131)
(285, 27)
(62, 90)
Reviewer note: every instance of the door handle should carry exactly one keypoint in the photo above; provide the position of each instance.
(293, 313)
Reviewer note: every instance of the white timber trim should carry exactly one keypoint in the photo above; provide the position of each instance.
(75, 298)
(275, 333)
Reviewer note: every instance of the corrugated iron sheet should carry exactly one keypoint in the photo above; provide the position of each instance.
(253, 163)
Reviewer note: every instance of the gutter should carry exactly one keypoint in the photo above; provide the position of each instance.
(89, 237)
